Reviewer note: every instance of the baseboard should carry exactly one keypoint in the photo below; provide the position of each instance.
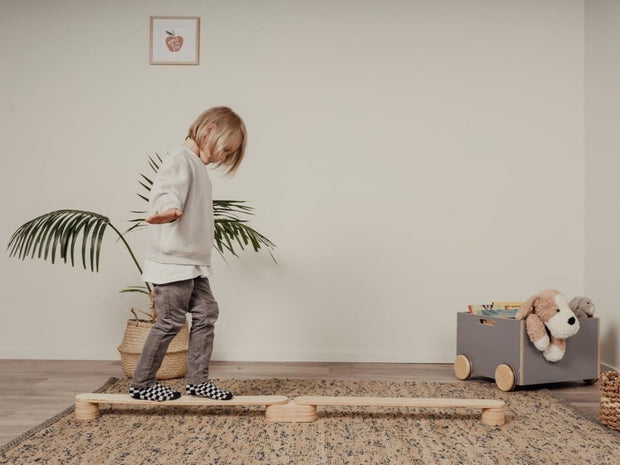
(12, 353)
(249, 356)
(319, 356)
(606, 367)
(235, 356)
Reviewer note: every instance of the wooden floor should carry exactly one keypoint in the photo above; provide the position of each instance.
(31, 391)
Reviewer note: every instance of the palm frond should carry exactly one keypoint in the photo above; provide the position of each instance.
(140, 289)
(231, 232)
(155, 164)
(57, 233)
(139, 224)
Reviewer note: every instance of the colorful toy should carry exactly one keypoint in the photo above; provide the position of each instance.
(549, 321)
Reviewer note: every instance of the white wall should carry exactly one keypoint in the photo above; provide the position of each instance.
(408, 158)
(602, 167)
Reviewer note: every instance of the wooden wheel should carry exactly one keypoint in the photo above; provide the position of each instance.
(462, 367)
(505, 377)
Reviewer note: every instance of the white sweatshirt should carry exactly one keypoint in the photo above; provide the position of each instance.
(182, 182)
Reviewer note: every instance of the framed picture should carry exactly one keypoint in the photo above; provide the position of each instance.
(175, 40)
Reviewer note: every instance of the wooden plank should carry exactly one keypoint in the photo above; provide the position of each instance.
(87, 405)
(400, 402)
(97, 398)
(493, 411)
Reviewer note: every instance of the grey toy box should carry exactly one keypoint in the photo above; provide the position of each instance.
(488, 342)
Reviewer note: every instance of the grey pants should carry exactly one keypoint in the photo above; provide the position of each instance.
(173, 301)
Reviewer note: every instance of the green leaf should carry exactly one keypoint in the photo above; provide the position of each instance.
(141, 289)
(102, 227)
(155, 165)
(67, 238)
(74, 235)
(148, 180)
(55, 235)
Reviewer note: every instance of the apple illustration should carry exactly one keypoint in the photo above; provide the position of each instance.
(174, 42)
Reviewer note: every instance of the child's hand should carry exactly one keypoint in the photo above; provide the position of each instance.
(166, 217)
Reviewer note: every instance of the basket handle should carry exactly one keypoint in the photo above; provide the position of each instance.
(133, 310)
(153, 308)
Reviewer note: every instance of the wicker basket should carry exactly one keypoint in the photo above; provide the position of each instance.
(609, 410)
(175, 360)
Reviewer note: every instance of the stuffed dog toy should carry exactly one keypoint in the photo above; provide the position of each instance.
(549, 321)
(582, 307)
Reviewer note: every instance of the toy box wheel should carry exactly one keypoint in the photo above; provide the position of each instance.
(505, 377)
(591, 381)
(462, 367)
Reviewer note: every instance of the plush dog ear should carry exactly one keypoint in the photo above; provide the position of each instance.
(526, 308)
(575, 302)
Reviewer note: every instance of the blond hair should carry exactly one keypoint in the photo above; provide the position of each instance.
(224, 127)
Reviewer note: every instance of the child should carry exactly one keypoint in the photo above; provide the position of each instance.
(178, 264)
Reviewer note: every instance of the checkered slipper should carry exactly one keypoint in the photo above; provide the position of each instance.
(208, 389)
(157, 392)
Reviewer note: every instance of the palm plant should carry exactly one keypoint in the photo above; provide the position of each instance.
(57, 234)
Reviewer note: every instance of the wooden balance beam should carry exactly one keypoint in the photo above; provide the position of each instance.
(301, 409)
(87, 405)
(304, 408)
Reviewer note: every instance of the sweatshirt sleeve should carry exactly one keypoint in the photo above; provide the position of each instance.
(170, 186)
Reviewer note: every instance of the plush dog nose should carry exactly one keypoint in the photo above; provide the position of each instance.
(571, 320)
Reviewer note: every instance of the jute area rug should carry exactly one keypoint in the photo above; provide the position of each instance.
(539, 430)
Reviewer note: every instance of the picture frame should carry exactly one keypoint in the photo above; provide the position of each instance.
(174, 40)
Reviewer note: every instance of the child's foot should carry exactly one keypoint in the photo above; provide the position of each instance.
(208, 389)
(157, 392)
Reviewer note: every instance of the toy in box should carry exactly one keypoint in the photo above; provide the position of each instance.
(500, 348)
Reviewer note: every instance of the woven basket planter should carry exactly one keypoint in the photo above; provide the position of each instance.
(609, 410)
(175, 360)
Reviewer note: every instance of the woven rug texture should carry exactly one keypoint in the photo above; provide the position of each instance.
(539, 429)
